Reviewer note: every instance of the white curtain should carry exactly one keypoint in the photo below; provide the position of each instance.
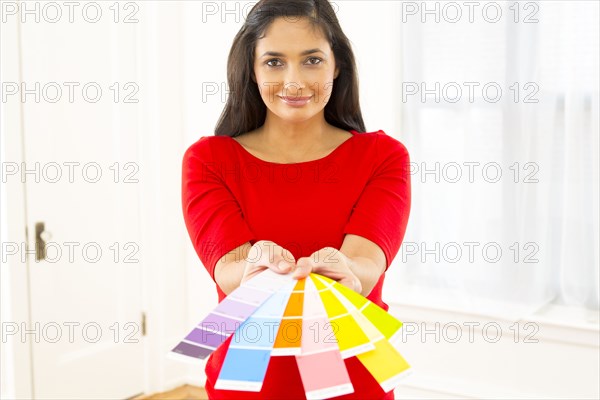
(501, 245)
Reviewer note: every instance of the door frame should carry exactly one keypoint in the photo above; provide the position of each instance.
(15, 275)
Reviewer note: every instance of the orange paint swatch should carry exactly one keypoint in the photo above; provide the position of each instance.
(289, 335)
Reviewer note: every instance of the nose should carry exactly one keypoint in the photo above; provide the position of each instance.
(293, 84)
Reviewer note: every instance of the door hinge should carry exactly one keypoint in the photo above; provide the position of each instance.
(143, 324)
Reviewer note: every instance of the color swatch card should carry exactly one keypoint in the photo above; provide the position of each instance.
(384, 362)
(350, 336)
(384, 321)
(289, 337)
(316, 320)
(224, 320)
(320, 352)
(250, 349)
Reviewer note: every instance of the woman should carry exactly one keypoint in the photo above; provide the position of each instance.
(291, 181)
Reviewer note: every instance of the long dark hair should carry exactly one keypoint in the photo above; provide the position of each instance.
(245, 109)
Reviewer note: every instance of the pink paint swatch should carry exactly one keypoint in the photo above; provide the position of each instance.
(320, 352)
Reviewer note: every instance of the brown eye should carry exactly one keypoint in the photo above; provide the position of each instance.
(315, 63)
(271, 60)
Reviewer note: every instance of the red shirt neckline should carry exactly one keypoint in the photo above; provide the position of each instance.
(252, 156)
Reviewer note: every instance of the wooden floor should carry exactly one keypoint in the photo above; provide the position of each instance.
(185, 392)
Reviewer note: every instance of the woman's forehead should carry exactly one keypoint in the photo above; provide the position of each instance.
(291, 37)
(292, 27)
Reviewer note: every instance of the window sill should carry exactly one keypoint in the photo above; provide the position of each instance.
(557, 323)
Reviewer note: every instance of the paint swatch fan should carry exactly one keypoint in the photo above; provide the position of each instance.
(317, 320)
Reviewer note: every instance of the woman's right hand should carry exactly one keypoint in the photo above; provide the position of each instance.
(267, 254)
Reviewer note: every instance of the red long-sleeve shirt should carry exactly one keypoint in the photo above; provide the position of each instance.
(231, 197)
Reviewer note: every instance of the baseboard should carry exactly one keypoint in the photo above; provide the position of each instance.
(183, 392)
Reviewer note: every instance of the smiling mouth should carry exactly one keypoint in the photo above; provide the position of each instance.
(295, 101)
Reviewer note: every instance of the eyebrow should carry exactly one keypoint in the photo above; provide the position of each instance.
(305, 52)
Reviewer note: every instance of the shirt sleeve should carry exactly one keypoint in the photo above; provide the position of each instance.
(381, 212)
(213, 217)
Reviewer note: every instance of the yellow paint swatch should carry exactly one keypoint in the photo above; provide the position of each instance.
(355, 298)
(332, 305)
(386, 365)
(318, 283)
(349, 334)
(385, 322)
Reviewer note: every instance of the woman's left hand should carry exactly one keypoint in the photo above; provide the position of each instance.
(331, 263)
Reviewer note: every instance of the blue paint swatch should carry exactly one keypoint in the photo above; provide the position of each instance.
(245, 365)
(247, 358)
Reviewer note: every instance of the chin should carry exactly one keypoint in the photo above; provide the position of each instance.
(294, 114)
(296, 118)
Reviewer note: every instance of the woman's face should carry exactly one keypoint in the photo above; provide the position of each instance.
(294, 69)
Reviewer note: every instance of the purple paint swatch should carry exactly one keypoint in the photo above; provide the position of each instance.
(192, 351)
(250, 295)
(206, 338)
(219, 323)
(235, 309)
(223, 321)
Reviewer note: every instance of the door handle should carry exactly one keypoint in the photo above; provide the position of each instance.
(40, 241)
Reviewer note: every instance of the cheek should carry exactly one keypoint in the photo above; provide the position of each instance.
(266, 87)
(260, 82)
(325, 87)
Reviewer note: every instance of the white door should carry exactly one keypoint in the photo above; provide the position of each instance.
(79, 97)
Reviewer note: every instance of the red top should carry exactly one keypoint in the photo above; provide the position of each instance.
(231, 197)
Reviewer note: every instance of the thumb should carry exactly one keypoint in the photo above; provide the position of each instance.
(303, 268)
(352, 282)
(283, 265)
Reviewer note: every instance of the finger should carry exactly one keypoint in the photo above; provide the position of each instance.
(352, 282)
(279, 265)
(345, 278)
(329, 272)
(251, 272)
(303, 268)
(282, 266)
(284, 260)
